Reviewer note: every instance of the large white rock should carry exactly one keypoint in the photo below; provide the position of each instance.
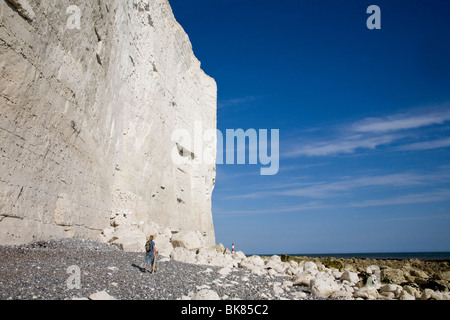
(349, 276)
(305, 273)
(253, 263)
(216, 256)
(404, 295)
(129, 239)
(225, 261)
(368, 293)
(163, 245)
(303, 278)
(323, 285)
(238, 255)
(183, 255)
(206, 254)
(344, 293)
(89, 116)
(276, 264)
(395, 288)
(311, 267)
(256, 261)
(224, 272)
(435, 295)
(189, 240)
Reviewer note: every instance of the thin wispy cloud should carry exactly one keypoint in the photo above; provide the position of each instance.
(400, 122)
(415, 218)
(426, 145)
(236, 102)
(349, 185)
(408, 199)
(341, 145)
(313, 205)
(335, 189)
(435, 196)
(372, 133)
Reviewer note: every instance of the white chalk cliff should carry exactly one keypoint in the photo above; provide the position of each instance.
(90, 95)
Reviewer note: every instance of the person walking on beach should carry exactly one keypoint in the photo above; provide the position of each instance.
(151, 253)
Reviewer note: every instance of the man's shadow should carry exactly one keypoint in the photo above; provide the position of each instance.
(138, 267)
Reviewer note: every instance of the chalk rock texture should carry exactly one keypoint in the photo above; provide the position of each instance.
(91, 93)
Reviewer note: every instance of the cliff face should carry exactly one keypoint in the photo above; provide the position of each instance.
(90, 96)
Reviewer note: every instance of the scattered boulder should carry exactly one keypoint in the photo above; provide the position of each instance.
(101, 295)
(404, 295)
(275, 263)
(238, 255)
(326, 279)
(444, 275)
(223, 260)
(310, 267)
(188, 239)
(277, 289)
(254, 263)
(373, 269)
(390, 275)
(303, 278)
(429, 294)
(219, 248)
(351, 277)
(224, 272)
(344, 293)
(412, 290)
(129, 239)
(368, 293)
(394, 288)
(206, 294)
(215, 256)
(162, 241)
(183, 255)
(323, 286)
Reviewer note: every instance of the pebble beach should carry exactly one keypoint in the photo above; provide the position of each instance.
(40, 271)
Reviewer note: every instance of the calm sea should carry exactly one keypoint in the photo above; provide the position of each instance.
(384, 255)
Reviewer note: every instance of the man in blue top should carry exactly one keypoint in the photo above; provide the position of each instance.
(151, 254)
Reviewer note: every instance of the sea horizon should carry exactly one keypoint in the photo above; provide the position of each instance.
(436, 255)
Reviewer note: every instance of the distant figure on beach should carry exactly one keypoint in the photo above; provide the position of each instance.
(232, 248)
(151, 253)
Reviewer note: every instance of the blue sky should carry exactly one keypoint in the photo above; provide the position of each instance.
(363, 116)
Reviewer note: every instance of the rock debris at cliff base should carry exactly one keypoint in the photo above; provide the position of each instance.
(39, 271)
